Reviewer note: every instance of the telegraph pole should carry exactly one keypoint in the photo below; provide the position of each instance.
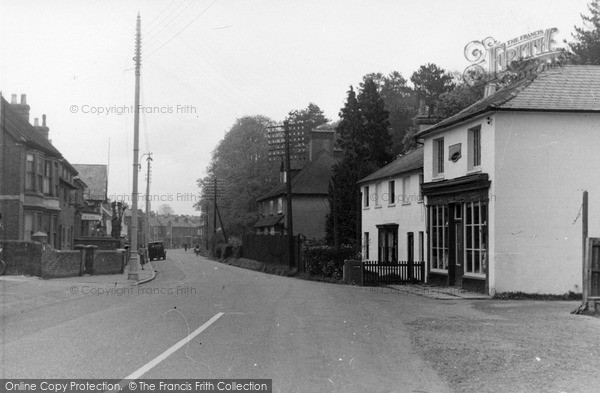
(288, 187)
(148, 160)
(134, 260)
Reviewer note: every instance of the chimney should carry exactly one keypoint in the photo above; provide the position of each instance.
(43, 130)
(22, 108)
(490, 89)
(321, 138)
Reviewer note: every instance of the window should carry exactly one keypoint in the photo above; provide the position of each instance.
(474, 148)
(30, 173)
(476, 238)
(28, 226)
(421, 181)
(421, 246)
(280, 205)
(391, 192)
(366, 245)
(366, 196)
(406, 190)
(39, 173)
(410, 246)
(438, 225)
(388, 243)
(438, 157)
(47, 188)
(271, 207)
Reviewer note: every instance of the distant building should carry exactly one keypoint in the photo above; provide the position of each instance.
(96, 215)
(310, 190)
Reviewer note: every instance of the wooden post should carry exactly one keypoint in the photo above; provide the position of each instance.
(584, 250)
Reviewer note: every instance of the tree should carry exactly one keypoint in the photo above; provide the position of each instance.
(586, 49)
(118, 209)
(365, 143)
(165, 210)
(430, 82)
(401, 103)
(241, 162)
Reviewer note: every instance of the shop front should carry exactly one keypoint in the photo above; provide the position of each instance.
(457, 224)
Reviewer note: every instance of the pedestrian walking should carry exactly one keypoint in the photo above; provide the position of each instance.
(185, 247)
(142, 252)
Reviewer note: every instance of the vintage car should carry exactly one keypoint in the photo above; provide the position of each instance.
(156, 250)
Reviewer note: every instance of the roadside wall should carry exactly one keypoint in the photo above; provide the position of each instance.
(22, 258)
(109, 262)
(56, 264)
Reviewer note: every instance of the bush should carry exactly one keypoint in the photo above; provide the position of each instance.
(326, 261)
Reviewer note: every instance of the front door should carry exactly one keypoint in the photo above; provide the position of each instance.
(458, 253)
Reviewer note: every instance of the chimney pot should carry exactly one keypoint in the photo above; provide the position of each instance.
(36, 122)
(13, 99)
(490, 89)
(44, 120)
(23, 99)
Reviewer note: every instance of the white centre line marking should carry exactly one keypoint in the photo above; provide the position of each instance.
(148, 366)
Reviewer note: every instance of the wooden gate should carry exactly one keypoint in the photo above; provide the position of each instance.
(593, 269)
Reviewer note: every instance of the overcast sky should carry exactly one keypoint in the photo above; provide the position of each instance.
(219, 60)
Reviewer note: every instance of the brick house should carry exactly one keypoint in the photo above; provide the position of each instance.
(30, 172)
(310, 190)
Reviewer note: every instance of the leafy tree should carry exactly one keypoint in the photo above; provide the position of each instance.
(365, 143)
(430, 82)
(165, 210)
(241, 163)
(587, 46)
(401, 103)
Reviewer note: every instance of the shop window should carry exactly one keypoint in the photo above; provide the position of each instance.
(476, 238)
(438, 232)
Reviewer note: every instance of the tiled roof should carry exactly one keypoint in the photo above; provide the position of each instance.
(313, 179)
(407, 163)
(566, 88)
(21, 130)
(268, 221)
(95, 176)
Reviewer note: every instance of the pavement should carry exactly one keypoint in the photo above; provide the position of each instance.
(440, 293)
(121, 280)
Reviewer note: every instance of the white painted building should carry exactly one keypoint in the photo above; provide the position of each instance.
(393, 214)
(503, 183)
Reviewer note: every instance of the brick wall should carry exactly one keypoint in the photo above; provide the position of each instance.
(11, 185)
(109, 262)
(23, 258)
(103, 243)
(56, 263)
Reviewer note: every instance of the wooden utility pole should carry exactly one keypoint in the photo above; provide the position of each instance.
(148, 160)
(288, 187)
(134, 260)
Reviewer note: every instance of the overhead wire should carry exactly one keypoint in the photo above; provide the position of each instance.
(183, 29)
(183, 12)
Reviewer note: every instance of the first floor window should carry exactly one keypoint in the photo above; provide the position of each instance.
(30, 173)
(475, 237)
(438, 234)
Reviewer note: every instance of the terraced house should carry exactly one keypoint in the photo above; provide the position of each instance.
(34, 179)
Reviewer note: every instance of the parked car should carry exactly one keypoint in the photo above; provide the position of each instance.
(156, 250)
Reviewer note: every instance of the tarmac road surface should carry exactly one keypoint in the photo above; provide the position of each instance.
(204, 319)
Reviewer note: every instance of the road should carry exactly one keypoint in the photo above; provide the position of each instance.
(305, 336)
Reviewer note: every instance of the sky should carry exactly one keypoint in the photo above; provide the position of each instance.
(206, 63)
